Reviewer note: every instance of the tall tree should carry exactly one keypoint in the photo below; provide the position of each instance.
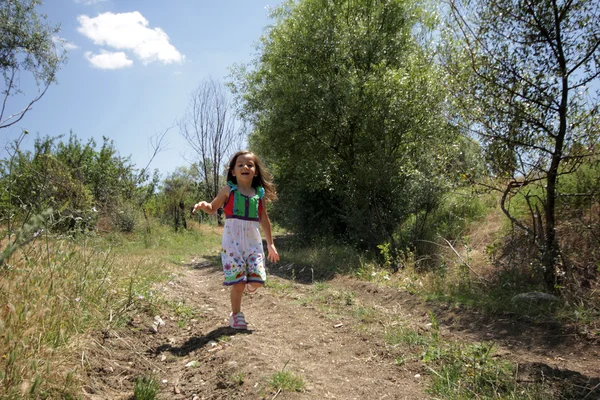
(347, 110)
(530, 99)
(27, 46)
(209, 126)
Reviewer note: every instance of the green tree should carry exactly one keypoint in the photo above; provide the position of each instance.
(27, 46)
(39, 181)
(347, 110)
(528, 96)
(73, 178)
(180, 190)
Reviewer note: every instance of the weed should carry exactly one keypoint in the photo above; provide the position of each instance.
(183, 312)
(146, 388)
(460, 371)
(278, 285)
(238, 378)
(365, 314)
(286, 381)
(400, 361)
(340, 297)
(319, 287)
(403, 335)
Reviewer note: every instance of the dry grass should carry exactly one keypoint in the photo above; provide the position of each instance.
(55, 290)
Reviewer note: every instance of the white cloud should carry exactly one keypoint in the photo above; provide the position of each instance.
(70, 46)
(89, 2)
(108, 60)
(64, 43)
(130, 31)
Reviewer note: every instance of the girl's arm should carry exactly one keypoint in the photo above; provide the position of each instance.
(265, 224)
(213, 206)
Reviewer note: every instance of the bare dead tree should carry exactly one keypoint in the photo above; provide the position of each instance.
(209, 127)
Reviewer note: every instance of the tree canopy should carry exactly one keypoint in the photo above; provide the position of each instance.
(27, 46)
(347, 110)
(530, 98)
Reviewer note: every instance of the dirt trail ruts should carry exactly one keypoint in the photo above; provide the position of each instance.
(336, 355)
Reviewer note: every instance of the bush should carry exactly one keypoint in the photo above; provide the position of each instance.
(126, 217)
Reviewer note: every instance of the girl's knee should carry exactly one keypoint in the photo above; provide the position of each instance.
(238, 287)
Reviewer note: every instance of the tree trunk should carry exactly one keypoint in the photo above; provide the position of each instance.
(550, 251)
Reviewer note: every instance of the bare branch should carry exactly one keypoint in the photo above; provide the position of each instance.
(19, 115)
(158, 146)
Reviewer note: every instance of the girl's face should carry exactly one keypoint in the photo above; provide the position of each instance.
(244, 169)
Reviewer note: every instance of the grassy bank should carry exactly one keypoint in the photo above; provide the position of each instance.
(56, 289)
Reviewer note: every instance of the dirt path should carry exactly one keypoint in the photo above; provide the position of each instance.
(332, 336)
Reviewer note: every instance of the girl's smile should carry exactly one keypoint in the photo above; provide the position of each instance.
(245, 167)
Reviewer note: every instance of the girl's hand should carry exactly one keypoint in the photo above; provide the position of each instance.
(203, 205)
(273, 254)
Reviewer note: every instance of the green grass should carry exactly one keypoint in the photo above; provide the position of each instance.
(409, 337)
(182, 311)
(146, 388)
(278, 285)
(366, 315)
(286, 381)
(460, 371)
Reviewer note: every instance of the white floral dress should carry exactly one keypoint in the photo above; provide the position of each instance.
(242, 253)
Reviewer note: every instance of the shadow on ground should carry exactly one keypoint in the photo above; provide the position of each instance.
(570, 384)
(197, 342)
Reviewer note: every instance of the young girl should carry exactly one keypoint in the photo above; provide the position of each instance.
(248, 186)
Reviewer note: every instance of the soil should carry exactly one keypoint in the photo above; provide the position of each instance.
(338, 352)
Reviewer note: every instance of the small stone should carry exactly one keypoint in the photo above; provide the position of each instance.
(417, 376)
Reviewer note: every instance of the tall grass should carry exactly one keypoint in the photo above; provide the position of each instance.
(55, 289)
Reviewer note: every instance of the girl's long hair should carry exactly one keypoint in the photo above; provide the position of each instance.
(263, 177)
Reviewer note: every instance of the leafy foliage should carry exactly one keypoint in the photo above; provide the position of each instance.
(27, 46)
(73, 179)
(179, 191)
(528, 69)
(348, 113)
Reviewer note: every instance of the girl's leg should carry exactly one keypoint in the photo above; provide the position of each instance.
(237, 291)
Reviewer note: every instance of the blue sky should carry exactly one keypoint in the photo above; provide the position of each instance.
(132, 65)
